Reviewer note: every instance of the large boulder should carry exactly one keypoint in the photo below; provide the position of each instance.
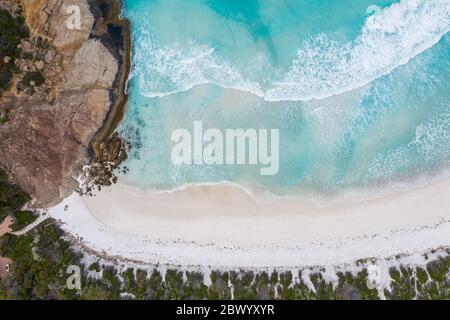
(46, 142)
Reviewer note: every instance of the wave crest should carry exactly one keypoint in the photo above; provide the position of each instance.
(321, 68)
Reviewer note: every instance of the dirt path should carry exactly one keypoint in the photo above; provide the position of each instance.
(5, 225)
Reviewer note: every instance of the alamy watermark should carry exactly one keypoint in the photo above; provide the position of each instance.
(73, 282)
(73, 22)
(227, 147)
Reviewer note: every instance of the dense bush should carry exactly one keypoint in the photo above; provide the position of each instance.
(35, 76)
(12, 198)
(5, 77)
(12, 31)
(41, 259)
(22, 219)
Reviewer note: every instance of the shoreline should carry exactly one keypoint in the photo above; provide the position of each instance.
(166, 229)
(55, 128)
(63, 145)
(119, 213)
(117, 108)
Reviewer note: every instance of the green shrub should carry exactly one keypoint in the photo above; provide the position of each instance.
(12, 31)
(4, 115)
(5, 77)
(94, 267)
(12, 198)
(22, 219)
(28, 55)
(35, 76)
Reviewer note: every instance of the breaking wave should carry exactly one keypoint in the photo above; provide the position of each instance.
(321, 68)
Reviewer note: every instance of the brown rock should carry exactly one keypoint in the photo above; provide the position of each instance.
(40, 64)
(45, 143)
(93, 65)
(49, 56)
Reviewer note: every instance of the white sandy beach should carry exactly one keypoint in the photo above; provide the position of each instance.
(224, 226)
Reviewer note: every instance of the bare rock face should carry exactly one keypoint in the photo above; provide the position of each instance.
(93, 65)
(45, 143)
(89, 114)
(49, 17)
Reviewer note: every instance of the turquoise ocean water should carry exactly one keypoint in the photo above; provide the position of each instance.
(359, 89)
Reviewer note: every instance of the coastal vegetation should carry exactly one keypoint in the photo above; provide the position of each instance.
(22, 219)
(12, 30)
(42, 256)
(40, 273)
(41, 259)
(33, 78)
(12, 199)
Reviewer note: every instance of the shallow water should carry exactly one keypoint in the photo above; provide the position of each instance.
(360, 94)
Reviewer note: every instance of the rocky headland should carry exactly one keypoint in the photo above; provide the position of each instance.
(65, 97)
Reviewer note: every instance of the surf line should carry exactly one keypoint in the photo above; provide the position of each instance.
(232, 147)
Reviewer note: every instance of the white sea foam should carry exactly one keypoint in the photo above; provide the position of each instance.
(389, 39)
(175, 68)
(322, 68)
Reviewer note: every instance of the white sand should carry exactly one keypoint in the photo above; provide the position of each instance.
(222, 226)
